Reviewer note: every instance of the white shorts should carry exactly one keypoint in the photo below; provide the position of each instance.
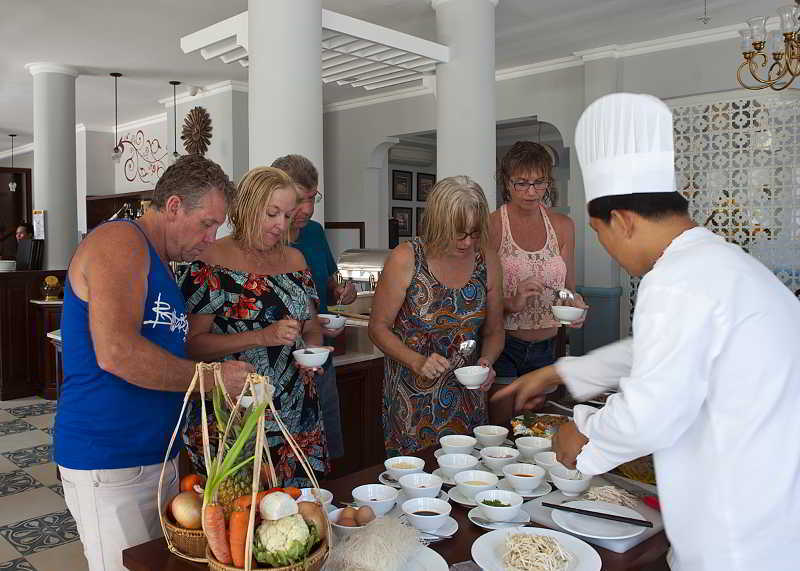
(116, 509)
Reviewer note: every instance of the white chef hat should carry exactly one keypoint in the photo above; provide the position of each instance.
(624, 145)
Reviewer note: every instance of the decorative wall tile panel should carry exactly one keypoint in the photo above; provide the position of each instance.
(738, 164)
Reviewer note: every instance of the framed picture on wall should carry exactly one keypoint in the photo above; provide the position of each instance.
(401, 185)
(425, 184)
(420, 213)
(403, 216)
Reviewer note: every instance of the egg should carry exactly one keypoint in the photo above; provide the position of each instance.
(364, 515)
(348, 513)
(347, 522)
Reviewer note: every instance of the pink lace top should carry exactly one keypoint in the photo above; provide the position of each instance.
(518, 265)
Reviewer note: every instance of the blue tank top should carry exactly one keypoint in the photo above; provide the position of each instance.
(102, 421)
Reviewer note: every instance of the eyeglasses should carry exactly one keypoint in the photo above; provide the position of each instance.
(315, 198)
(475, 235)
(539, 184)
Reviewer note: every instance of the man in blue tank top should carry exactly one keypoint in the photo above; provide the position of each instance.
(308, 236)
(124, 328)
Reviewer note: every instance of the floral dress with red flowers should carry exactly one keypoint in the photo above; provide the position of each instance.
(243, 301)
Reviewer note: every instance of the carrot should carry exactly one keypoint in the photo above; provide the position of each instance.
(294, 492)
(214, 528)
(238, 523)
(243, 502)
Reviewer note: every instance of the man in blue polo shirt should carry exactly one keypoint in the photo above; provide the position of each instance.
(308, 236)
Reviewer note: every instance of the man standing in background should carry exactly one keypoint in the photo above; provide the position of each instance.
(308, 236)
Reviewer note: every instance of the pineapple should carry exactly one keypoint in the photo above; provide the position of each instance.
(240, 482)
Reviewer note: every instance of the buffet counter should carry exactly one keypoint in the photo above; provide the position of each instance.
(647, 556)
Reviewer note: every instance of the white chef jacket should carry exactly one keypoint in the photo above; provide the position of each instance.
(710, 384)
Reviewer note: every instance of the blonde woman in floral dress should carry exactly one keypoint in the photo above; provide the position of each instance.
(250, 297)
(435, 292)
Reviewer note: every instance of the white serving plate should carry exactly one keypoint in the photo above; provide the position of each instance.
(488, 549)
(595, 527)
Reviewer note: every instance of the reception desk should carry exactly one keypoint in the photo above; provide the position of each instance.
(25, 354)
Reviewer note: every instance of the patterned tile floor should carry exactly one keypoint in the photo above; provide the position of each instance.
(37, 532)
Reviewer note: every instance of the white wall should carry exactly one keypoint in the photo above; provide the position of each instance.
(23, 161)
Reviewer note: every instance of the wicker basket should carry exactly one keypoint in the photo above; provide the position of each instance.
(314, 561)
(191, 542)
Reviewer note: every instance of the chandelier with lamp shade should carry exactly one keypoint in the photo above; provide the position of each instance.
(781, 47)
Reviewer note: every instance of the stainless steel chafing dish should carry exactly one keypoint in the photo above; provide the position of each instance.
(363, 267)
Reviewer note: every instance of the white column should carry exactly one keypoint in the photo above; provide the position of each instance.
(285, 76)
(465, 106)
(602, 75)
(54, 171)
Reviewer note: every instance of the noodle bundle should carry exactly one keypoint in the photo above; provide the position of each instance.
(526, 552)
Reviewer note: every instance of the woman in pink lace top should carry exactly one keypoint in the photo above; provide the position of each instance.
(536, 247)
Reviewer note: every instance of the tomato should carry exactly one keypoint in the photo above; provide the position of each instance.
(188, 482)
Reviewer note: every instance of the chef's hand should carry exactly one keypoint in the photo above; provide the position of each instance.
(283, 332)
(345, 293)
(525, 290)
(330, 332)
(313, 370)
(430, 367)
(568, 443)
(529, 390)
(578, 302)
(484, 362)
(234, 374)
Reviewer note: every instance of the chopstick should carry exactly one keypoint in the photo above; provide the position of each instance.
(354, 315)
(623, 519)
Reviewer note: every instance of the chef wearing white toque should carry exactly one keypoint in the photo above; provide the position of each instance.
(710, 381)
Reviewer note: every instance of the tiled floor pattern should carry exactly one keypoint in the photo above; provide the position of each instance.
(37, 532)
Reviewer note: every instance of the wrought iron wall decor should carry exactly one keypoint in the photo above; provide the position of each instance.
(145, 158)
(196, 133)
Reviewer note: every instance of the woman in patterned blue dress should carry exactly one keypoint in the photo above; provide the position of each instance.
(250, 298)
(435, 292)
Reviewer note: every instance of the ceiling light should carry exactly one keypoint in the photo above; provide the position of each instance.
(757, 45)
(175, 154)
(116, 155)
(12, 186)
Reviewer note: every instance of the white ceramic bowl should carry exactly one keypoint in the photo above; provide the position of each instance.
(569, 487)
(465, 482)
(421, 485)
(494, 513)
(545, 459)
(342, 530)
(334, 321)
(489, 435)
(307, 495)
(566, 313)
(472, 377)
(495, 457)
(426, 522)
(316, 358)
(529, 446)
(534, 476)
(457, 444)
(8, 265)
(452, 464)
(399, 466)
(377, 496)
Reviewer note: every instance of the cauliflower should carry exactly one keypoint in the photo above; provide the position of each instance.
(285, 541)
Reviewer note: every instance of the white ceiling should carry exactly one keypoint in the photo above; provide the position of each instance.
(140, 39)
